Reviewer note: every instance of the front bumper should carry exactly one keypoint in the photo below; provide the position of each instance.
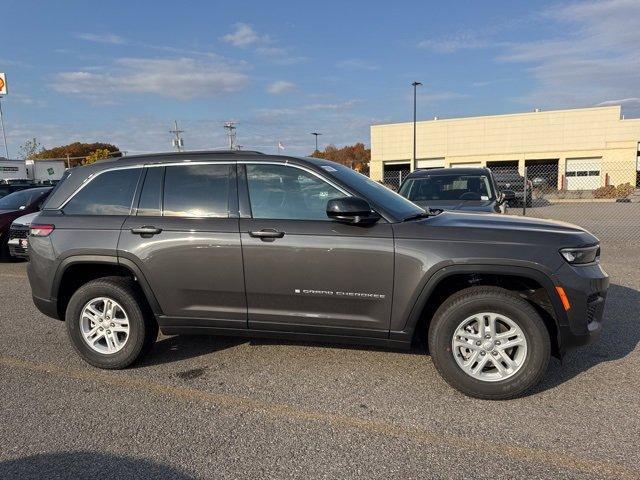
(586, 288)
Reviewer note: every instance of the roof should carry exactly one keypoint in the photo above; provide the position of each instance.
(449, 171)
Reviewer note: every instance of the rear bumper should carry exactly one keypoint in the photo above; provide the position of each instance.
(586, 288)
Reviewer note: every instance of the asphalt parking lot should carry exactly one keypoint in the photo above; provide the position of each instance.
(220, 408)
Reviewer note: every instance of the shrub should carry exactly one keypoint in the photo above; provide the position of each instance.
(610, 191)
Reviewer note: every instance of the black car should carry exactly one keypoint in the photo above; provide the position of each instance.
(513, 181)
(468, 189)
(16, 205)
(251, 245)
(11, 187)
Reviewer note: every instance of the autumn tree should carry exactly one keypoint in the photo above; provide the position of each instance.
(96, 155)
(353, 156)
(30, 149)
(77, 152)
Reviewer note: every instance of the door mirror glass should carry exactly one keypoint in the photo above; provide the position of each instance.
(351, 210)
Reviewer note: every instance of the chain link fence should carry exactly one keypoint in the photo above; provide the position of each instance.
(603, 197)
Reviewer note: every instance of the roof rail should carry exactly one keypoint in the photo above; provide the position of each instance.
(192, 152)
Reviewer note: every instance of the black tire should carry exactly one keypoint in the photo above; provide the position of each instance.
(468, 302)
(143, 328)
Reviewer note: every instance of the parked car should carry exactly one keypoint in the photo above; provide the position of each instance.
(514, 182)
(16, 205)
(18, 242)
(7, 188)
(468, 189)
(252, 245)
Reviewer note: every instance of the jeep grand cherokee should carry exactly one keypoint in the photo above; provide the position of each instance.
(246, 244)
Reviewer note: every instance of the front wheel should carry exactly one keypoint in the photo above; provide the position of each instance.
(108, 323)
(489, 343)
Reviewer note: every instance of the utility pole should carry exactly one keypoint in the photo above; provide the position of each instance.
(4, 135)
(413, 159)
(316, 135)
(231, 131)
(177, 142)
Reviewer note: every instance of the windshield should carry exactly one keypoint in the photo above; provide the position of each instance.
(374, 192)
(448, 187)
(23, 198)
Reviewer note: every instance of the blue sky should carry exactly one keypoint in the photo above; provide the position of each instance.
(121, 72)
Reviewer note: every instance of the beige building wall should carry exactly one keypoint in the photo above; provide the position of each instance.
(597, 132)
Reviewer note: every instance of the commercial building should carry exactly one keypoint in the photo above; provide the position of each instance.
(583, 148)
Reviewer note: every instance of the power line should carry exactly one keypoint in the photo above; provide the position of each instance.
(231, 132)
(177, 142)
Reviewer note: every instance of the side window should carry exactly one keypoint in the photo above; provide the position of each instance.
(150, 202)
(288, 193)
(110, 193)
(197, 191)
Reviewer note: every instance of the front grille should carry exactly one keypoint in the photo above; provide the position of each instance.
(19, 232)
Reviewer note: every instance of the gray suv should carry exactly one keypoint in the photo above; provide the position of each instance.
(254, 245)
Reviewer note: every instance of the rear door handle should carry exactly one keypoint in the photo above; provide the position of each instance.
(267, 233)
(146, 230)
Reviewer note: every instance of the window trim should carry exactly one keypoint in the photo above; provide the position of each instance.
(95, 175)
(245, 190)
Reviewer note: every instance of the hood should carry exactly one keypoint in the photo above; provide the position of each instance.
(498, 229)
(25, 220)
(465, 205)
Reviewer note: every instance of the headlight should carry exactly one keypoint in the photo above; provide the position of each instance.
(580, 256)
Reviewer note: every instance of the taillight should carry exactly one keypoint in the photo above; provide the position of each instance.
(41, 230)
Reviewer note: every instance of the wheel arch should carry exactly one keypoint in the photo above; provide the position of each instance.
(533, 285)
(77, 270)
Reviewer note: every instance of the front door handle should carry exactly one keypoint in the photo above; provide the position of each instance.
(266, 234)
(146, 230)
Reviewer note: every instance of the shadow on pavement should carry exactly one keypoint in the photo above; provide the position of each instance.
(182, 347)
(85, 465)
(620, 337)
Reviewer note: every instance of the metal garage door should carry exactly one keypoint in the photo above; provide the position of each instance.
(430, 163)
(583, 173)
(466, 165)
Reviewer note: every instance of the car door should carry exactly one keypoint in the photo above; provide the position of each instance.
(303, 271)
(184, 237)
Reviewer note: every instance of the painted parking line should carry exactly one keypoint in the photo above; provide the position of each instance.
(284, 411)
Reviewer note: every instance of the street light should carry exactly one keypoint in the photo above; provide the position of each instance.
(415, 87)
(316, 135)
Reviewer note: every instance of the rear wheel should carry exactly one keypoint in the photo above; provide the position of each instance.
(108, 323)
(489, 343)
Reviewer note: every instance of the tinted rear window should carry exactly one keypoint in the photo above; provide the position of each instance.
(197, 190)
(109, 193)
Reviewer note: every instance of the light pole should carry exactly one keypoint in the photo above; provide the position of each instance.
(413, 160)
(4, 135)
(316, 135)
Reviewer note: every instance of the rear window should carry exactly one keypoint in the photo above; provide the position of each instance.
(109, 193)
(197, 190)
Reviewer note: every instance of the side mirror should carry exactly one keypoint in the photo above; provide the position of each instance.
(352, 211)
(508, 195)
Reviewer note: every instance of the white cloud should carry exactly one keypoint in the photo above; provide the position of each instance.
(182, 78)
(243, 36)
(454, 44)
(281, 86)
(357, 64)
(595, 60)
(105, 38)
